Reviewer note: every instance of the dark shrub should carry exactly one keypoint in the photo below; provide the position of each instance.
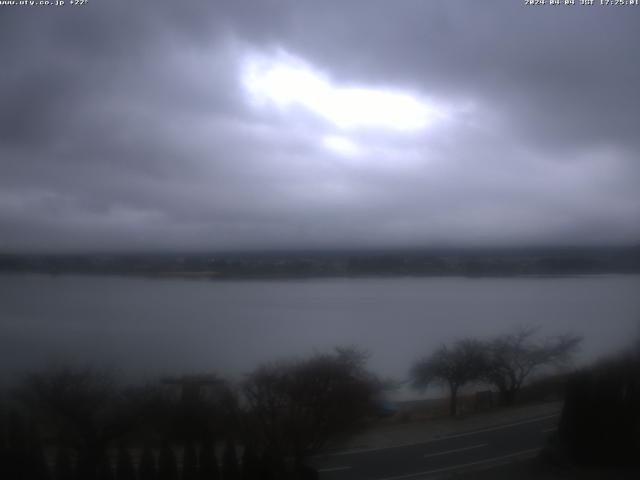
(167, 465)
(124, 465)
(230, 469)
(250, 464)
(104, 470)
(189, 462)
(208, 463)
(148, 469)
(63, 466)
(600, 422)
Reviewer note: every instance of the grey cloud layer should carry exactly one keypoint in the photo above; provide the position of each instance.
(124, 125)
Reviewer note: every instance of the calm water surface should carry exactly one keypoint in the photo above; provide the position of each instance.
(174, 325)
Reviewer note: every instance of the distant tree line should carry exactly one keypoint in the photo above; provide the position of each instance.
(471, 262)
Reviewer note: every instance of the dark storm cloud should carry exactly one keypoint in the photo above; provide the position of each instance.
(126, 125)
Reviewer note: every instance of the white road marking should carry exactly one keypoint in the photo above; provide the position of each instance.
(333, 469)
(446, 437)
(462, 465)
(499, 427)
(455, 450)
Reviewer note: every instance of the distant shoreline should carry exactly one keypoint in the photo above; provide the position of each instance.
(206, 276)
(347, 264)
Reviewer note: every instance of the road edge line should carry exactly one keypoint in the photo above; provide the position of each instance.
(431, 440)
(462, 466)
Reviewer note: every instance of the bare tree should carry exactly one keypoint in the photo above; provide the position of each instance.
(512, 358)
(295, 408)
(454, 366)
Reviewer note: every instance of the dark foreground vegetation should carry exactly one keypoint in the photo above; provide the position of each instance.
(598, 435)
(472, 262)
(600, 424)
(599, 429)
(70, 424)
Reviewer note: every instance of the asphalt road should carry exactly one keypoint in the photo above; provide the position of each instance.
(440, 456)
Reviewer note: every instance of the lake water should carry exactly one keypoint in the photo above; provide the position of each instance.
(174, 325)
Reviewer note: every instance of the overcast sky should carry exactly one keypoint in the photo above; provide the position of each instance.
(314, 124)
